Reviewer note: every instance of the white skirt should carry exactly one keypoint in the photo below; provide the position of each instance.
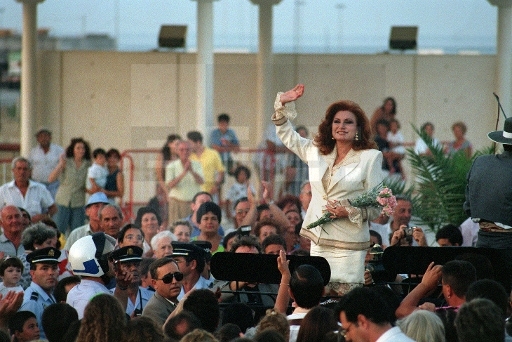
(347, 266)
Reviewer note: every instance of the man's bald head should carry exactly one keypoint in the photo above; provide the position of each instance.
(10, 219)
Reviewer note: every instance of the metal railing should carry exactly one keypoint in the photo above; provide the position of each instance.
(138, 166)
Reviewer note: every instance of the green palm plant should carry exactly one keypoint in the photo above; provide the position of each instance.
(440, 183)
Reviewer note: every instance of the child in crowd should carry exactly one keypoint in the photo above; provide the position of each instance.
(396, 142)
(239, 188)
(23, 327)
(97, 172)
(10, 269)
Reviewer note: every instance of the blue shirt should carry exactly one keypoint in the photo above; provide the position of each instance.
(36, 300)
(216, 139)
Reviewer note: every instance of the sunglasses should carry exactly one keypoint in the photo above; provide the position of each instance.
(167, 279)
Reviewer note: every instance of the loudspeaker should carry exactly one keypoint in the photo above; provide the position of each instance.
(172, 36)
(403, 37)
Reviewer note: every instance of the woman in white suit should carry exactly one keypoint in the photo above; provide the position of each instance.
(343, 163)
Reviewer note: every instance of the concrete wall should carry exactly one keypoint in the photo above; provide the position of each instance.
(133, 100)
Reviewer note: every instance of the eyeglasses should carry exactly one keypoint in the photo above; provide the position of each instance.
(343, 331)
(167, 279)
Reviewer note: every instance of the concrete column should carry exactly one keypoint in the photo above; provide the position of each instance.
(204, 65)
(265, 63)
(504, 55)
(28, 73)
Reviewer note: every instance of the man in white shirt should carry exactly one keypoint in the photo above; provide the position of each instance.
(44, 158)
(89, 258)
(27, 194)
(365, 317)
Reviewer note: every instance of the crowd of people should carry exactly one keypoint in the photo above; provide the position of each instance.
(74, 269)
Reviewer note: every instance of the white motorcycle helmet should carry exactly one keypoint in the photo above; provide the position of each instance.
(88, 256)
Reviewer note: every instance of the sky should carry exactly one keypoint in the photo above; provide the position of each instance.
(322, 26)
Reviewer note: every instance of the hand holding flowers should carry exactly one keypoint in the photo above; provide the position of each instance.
(380, 196)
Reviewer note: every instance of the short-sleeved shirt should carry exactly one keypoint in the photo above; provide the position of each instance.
(211, 165)
(143, 296)
(36, 201)
(97, 172)
(216, 139)
(44, 163)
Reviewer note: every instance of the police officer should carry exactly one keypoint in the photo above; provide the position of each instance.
(191, 261)
(44, 271)
(127, 260)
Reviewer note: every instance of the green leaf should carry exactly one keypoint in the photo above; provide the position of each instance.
(438, 192)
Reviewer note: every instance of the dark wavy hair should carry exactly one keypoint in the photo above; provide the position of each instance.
(104, 320)
(392, 99)
(324, 141)
(70, 149)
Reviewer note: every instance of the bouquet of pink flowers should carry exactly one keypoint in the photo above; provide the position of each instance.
(380, 196)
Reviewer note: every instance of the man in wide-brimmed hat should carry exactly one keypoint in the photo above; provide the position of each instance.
(489, 193)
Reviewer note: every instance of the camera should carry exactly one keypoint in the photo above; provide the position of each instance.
(244, 230)
(408, 231)
(376, 267)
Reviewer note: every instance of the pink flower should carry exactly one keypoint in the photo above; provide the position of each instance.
(388, 211)
(385, 192)
(382, 200)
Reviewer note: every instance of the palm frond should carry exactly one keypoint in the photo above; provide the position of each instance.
(440, 182)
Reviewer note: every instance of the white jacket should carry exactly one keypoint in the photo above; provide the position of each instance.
(359, 172)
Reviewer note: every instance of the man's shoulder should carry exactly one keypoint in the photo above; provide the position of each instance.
(394, 335)
(157, 301)
(56, 147)
(202, 283)
(210, 152)
(87, 286)
(80, 230)
(76, 234)
(36, 185)
(146, 293)
(7, 185)
(3, 238)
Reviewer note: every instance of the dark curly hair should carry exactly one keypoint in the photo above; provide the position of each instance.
(71, 148)
(324, 141)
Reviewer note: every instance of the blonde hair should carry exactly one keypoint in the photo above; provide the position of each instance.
(199, 335)
(274, 320)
